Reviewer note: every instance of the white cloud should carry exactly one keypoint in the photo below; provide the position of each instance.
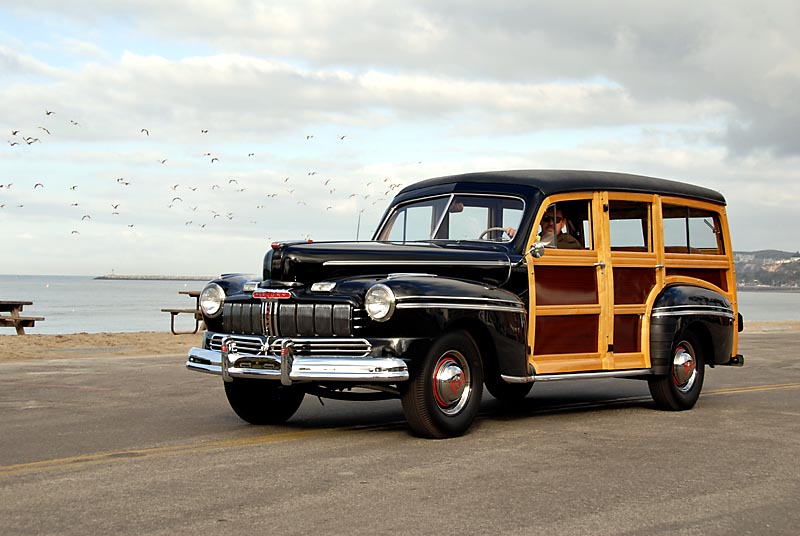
(699, 92)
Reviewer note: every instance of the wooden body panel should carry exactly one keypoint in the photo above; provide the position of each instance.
(591, 308)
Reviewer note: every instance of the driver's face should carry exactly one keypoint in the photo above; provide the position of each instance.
(548, 224)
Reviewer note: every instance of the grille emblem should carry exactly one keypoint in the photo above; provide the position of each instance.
(272, 294)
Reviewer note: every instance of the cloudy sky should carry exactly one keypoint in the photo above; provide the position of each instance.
(182, 137)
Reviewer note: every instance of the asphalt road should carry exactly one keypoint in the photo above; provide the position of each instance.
(143, 446)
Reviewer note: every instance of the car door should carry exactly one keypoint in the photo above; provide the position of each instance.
(569, 295)
(635, 271)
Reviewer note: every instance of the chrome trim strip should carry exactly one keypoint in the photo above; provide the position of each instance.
(370, 369)
(518, 379)
(698, 311)
(464, 298)
(414, 263)
(442, 305)
(591, 375)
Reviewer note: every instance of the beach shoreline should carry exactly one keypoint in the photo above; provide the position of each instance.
(155, 343)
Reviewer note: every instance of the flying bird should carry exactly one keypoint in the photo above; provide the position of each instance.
(73, 122)
(309, 136)
(13, 143)
(145, 131)
(176, 199)
(75, 232)
(204, 131)
(342, 137)
(48, 112)
(14, 132)
(38, 184)
(73, 187)
(45, 130)
(215, 187)
(251, 154)
(232, 180)
(215, 159)
(115, 206)
(162, 161)
(86, 217)
(174, 187)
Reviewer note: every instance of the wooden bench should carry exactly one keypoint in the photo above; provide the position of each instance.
(14, 319)
(198, 316)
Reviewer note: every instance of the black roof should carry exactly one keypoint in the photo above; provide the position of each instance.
(552, 181)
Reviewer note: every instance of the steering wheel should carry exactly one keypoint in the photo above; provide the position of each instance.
(490, 229)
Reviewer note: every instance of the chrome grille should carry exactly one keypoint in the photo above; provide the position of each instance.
(244, 344)
(317, 347)
(315, 320)
(250, 318)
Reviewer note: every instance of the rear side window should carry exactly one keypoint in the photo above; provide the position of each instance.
(691, 230)
(629, 223)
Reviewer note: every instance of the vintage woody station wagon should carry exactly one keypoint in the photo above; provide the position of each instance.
(497, 279)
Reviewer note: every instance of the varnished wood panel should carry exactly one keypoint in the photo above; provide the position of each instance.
(633, 285)
(566, 285)
(627, 333)
(566, 334)
(713, 276)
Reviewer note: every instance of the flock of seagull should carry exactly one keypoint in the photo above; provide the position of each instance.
(371, 193)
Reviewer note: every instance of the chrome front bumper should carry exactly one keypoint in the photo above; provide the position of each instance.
(289, 368)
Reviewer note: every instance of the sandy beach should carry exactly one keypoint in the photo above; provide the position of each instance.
(145, 343)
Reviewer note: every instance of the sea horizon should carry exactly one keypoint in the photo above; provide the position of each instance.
(82, 303)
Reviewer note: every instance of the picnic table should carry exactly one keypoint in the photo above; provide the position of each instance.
(10, 315)
(198, 316)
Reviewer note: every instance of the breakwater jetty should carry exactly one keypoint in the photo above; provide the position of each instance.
(155, 277)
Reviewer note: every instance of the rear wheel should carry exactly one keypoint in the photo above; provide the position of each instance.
(263, 401)
(680, 388)
(444, 393)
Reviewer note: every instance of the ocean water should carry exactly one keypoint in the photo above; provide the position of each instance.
(74, 304)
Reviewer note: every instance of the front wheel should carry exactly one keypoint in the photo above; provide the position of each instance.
(444, 393)
(680, 388)
(263, 401)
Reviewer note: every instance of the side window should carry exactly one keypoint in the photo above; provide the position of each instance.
(630, 226)
(566, 225)
(691, 230)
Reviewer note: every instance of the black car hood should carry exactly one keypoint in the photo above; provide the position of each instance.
(318, 261)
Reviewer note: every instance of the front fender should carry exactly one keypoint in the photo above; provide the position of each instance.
(428, 306)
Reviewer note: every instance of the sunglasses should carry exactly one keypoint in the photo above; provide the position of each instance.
(548, 219)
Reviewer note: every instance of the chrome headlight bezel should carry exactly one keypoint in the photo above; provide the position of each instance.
(211, 299)
(379, 302)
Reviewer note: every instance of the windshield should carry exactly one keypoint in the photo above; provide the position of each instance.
(455, 217)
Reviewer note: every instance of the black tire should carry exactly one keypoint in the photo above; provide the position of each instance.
(263, 401)
(507, 392)
(680, 388)
(444, 393)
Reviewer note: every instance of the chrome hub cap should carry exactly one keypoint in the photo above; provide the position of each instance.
(684, 367)
(451, 387)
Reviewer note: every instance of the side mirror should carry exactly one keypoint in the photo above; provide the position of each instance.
(537, 249)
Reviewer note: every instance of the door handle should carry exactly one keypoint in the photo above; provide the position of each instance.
(601, 264)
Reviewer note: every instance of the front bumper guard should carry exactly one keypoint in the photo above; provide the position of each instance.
(290, 368)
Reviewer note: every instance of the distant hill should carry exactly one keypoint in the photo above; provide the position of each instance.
(767, 268)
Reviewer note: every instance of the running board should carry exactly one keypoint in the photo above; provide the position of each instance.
(577, 376)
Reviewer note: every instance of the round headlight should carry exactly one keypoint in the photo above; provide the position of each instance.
(379, 302)
(211, 299)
